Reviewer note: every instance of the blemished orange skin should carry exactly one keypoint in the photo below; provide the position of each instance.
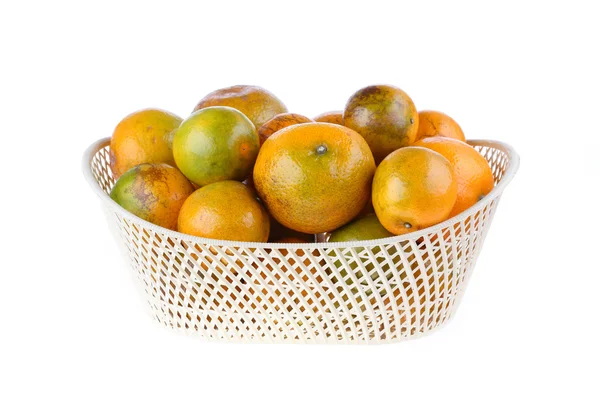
(225, 210)
(314, 177)
(473, 174)
(435, 123)
(153, 192)
(144, 136)
(279, 122)
(332, 117)
(256, 103)
(385, 116)
(413, 188)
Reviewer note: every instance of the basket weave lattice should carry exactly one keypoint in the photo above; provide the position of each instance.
(377, 291)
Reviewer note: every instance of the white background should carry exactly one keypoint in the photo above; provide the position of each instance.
(523, 72)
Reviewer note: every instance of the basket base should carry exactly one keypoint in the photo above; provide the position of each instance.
(297, 329)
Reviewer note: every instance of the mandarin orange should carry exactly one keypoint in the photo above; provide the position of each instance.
(225, 210)
(413, 188)
(472, 172)
(314, 177)
(153, 192)
(256, 103)
(385, 116)
(144, 136)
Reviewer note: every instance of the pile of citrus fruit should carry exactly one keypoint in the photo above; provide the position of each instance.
(242, 168)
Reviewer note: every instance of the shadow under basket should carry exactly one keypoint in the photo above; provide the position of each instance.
(376, 291)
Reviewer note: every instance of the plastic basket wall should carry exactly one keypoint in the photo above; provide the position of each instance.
(378, 291)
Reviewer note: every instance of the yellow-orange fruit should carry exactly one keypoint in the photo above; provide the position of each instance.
(413, 188)
(144, 136)
(314, 177)
(225, 210)
(471, 170)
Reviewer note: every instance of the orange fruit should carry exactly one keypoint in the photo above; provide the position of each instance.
(435, 123)
(413, 188)
(142, 137)
(332, 117)
(215, 144)
(224, 210)
(256, 103)
(153, 192)
(473, 173)
(314, 177)
(278, 122)
(385, 116)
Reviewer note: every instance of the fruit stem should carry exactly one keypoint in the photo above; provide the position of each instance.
(321, 149)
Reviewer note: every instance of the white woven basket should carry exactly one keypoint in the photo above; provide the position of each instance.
(376, 291)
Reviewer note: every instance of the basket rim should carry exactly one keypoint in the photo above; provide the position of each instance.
(511, 170)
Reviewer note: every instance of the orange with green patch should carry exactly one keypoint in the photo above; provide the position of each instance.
(279, 122)
(256, 103)
(153, 192)
(314, 177)
(216, 144)
(144, 136)
(385, 116)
